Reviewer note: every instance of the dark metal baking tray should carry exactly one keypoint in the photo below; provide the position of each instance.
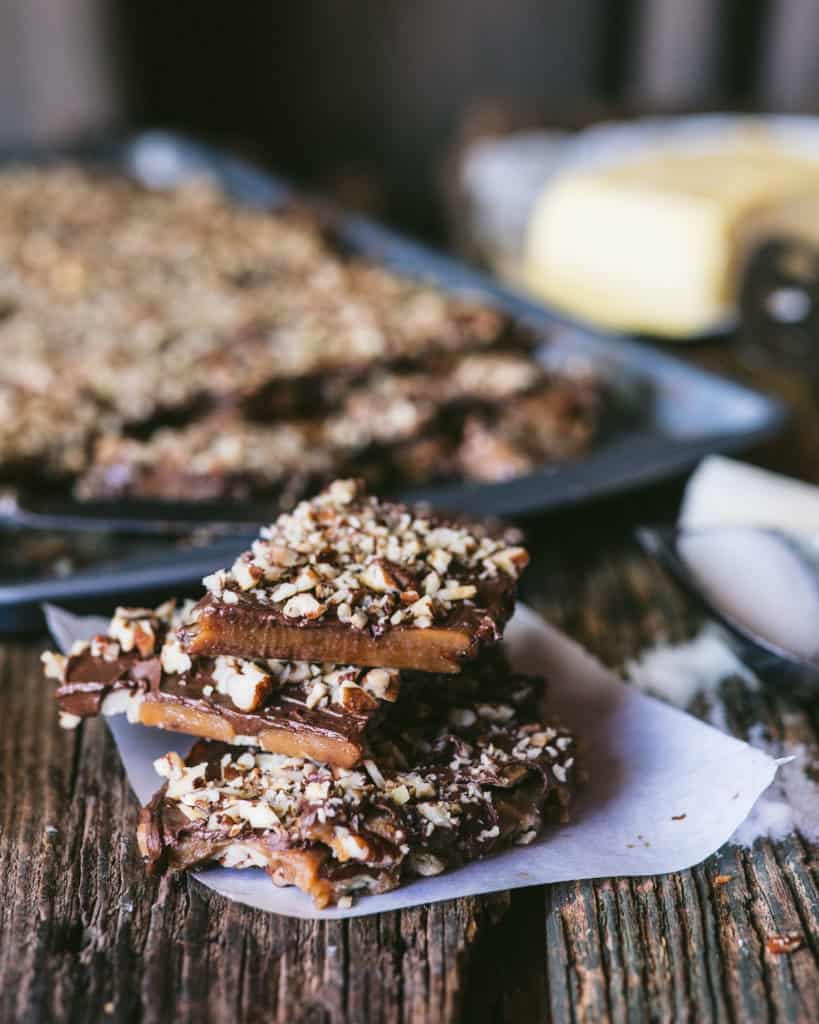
(147, 578)
(676, 413)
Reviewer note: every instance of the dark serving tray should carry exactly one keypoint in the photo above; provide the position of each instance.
(675, 413)
(142, 580)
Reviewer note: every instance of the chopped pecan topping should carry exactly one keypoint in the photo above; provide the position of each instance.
(372, 563)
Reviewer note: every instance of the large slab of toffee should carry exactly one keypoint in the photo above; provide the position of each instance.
(450, 789)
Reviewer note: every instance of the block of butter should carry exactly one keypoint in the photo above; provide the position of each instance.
(657, 245)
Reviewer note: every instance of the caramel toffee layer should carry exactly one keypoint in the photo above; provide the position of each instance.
(346, 577)
(438, 793)
(295, 708)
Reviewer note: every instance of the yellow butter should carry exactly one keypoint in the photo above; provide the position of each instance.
(657, 245)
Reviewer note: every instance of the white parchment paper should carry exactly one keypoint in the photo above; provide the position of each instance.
(664, 789)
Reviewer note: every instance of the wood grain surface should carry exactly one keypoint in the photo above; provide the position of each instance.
(85, 936)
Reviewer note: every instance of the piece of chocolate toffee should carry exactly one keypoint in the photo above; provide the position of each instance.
(348, 578)
(294, 708)
(456, 782)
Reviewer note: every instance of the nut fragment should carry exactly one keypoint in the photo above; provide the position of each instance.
(355, 699)
(432, 583)
(304, 606)
(315, 792)
(342, 491)
(54, 665)
(119, 702)
(348, 846)
(439, 560)
(173, 658)
(496, 712)
(382, 683)
(418, 785)
(247, 685)
(436, 813)
(425, 864)
(215, 583)
(105, 648)
(307, 579)
(422, 608)
(246, 574)
(256, 814)
(377, 578)
(278, 554)
(170, 766)
(283, 591)
(512, 560)
(317, 694)
(400, 795)
(374, 772)
(457, 593)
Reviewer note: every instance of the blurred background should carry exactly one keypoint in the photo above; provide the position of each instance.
(373, 100)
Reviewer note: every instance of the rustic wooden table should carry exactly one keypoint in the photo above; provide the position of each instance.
(85, 936)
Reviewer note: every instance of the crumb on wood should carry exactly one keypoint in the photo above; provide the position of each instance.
(785, 942)
(723, 879)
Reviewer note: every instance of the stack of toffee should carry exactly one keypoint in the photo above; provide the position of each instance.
(360, 724)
